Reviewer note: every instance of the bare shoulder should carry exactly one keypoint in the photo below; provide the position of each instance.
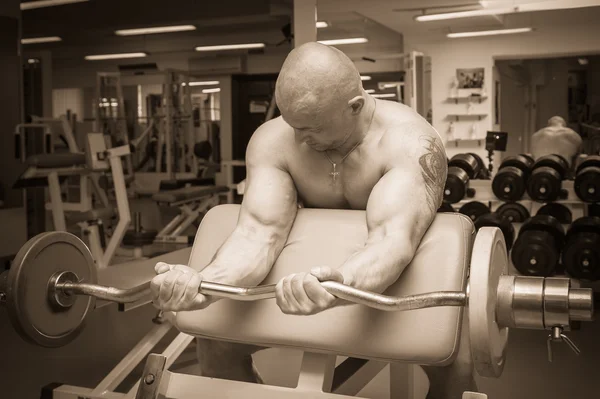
(408, 136)
(266, 144)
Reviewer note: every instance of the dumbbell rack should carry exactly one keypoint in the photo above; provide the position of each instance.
(481, 191)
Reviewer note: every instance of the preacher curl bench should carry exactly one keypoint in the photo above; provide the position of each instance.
(464, 290)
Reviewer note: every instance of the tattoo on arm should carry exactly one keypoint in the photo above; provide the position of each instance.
(434, 168)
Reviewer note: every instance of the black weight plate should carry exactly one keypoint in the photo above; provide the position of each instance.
(30, 311)
(466, 162)
(456, 185)
(589, 224)
(587, 184)
(474, 209)
(530, 160)
(547, 223)
(581, 255)
(553, 161)
(559, 211)
(521, 162)
(590, 160)
(484, 173)
(513, 212)
(494, 220)
(535, 253)
(446, 207)
(509, 183)
(544, 184)
(138, 239)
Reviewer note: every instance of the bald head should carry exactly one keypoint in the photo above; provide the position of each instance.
(557, 121)
(316, 79)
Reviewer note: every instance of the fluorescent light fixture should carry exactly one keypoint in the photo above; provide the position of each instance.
(225, 47)
(322, 24)
(583, 61)
(365, 77)
(488, 32)
(114, 56)
(370, 91)
(354, 40)
(36, 40)
(215, 90)
(158, 29)
(466, 14)
(385, 95)
(205, 83)
(30, 5)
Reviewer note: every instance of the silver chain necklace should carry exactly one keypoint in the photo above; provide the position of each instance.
(334, 173)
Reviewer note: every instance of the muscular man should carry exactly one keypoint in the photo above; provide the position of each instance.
(556, 138)
(334, 146)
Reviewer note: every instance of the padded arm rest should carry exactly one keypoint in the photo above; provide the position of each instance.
(329, 237)
(187, 194)
(59, 160)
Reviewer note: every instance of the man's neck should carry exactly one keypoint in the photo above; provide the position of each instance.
(362, 129)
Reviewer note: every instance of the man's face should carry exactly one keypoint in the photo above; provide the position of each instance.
(321, 132)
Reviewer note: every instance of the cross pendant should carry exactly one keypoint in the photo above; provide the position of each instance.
(334, 174)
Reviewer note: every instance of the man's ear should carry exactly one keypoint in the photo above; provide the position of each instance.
(356, 104)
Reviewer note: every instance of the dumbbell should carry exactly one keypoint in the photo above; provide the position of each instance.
(513, 212)
(51, 288)
(545, 182)
(461, 169)
(484, 173)
(581, 253)
(587, 179)
(446, 207)
(482, 216)
(559, 211)
(510, 182)
(536, 251)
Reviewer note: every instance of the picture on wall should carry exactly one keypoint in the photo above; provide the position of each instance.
(470, 78)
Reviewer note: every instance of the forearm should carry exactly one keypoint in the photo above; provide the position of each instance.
(243, 260)
(377, 266)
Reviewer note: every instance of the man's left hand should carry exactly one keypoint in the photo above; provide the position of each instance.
(303, 294)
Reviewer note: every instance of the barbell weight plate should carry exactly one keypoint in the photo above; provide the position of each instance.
(509, 183)
(513, 212)
(559, 211)
(474, 209)
(587, 184)
(544, 184)
(466, 162)
(494, 220)
(455, 188)
(34, 317)
(488, 341)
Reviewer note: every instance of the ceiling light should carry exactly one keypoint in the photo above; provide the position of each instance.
(488, 32)
(385, 95)
(370, 91)
(158, 29)
(215, 90)
(35, 40)
(322, 24)
(224, 47)
(30, 5)
(466, 14)
(354, 40)
(583, 61)
(205, 83)
(114, 56)
(365, 77)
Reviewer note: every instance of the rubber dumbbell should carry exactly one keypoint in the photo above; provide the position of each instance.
(581, 253)
(545, 182)
(537, 250)
(461, 169)
(587, 179)
(446, 207)
(510, 182)
(484, 173)
(559, 211)
(513, 212)
(495, 220)
(474, 210)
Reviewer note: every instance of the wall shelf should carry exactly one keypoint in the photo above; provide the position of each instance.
(456, 117)
(458, 99)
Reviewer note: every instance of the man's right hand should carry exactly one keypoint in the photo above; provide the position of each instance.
(175, 288)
